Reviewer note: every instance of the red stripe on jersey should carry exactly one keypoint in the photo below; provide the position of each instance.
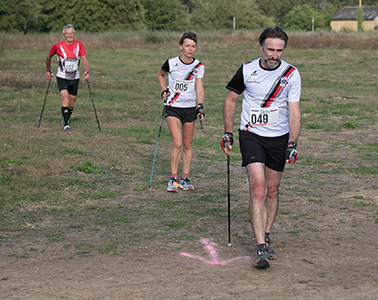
(277, 89)
(190, 76)
(174, 99)
(192, 73)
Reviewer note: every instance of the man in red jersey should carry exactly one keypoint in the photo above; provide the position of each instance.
(68, 53)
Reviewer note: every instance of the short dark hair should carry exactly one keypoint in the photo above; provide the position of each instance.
(189, 34)
(273, 32)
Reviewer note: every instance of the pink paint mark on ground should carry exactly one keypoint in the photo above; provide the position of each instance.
(213, 254)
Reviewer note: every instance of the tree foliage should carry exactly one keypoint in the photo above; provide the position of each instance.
(220, 14)
(360, 18)
(21, 16)
(300, 17)
(105, 15)
(160, 14)
(94, 15)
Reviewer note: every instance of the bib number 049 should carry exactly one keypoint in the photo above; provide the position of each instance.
(263, 116)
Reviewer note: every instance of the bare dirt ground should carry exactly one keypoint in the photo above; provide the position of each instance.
(161, 273)
(325, 237)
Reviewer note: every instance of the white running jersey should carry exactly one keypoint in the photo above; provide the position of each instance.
(265, 109)
(182, 81)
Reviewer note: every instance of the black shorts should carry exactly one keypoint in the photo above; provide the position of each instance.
(267, 150)
(185, 115)
(71, 85)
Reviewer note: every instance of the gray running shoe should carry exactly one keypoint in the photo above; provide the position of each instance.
(173, 185)
(262, 261)
(186, 185)
(271, 253)
(67, 129)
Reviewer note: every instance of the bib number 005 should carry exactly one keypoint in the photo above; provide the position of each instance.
(263, 116)
(184, 86)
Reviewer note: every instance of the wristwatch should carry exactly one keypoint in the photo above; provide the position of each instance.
(295, 144)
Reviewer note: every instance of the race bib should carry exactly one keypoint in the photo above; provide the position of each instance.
(263, 116)
(71, 65)
(184, 86)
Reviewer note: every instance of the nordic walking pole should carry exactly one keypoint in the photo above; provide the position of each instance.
(200, 113)
(199, 116)
(94, 108)
(43, 107)
(157, 143)
(229, 202)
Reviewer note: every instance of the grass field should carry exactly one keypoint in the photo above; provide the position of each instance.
(87, 192)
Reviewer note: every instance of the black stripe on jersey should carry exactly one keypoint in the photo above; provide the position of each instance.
(187, 77)
(276, 88)
(190, 74)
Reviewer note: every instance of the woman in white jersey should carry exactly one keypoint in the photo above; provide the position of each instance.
(184, 101)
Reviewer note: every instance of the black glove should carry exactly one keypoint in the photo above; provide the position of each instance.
(165, 91)
(227, 138)
(200, 111)
(291, 153)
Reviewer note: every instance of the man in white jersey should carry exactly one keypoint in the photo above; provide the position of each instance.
(68, 54)
(268, 133)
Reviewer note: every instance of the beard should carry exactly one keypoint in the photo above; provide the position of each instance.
(270, 63)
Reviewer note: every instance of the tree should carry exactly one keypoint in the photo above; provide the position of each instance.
(94, 15)
(24, 15)
(300, 17)
(360, 18)
(182, 17)
(276, 9)
(106, 15)
(251, 18)
(160, 14)
(219, 14)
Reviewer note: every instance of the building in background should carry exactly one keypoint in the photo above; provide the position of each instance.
(346, 18)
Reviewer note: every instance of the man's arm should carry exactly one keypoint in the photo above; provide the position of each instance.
(294, 121)
(228, 114)
(86, 67)
(48, 67)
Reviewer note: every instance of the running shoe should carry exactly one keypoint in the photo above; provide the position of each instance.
(262, 261)
(67, 129)
(173, 185)
(271, 253)
(186, 185)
